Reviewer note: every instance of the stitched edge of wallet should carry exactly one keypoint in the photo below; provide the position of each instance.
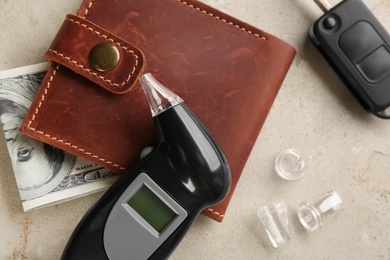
(43, 97)
(202, 11)
(215, 212)
(93, 30)
(222, 20)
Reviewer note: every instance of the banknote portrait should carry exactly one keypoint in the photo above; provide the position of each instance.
(45, 175)
(38, 167)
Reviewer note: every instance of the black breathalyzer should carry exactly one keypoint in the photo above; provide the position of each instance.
(146, 213)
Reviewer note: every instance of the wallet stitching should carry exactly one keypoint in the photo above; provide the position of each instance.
(60, 140)
(215, 212)
(88, 8)
(223, 20)
(204, 12)
(107, 38)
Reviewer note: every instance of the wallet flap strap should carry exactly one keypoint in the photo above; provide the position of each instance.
(97, 54)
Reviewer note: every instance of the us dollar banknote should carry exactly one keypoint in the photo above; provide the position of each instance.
(44, 174)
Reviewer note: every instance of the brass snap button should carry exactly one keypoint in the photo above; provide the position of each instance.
(104, 56)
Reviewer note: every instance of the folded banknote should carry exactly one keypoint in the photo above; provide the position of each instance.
(44, 174)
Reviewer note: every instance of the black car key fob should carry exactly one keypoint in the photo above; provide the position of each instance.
(357, 46)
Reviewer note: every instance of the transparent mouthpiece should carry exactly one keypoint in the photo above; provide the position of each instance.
(159, 97)
(313, 215)
(290, 164)
(274, 217)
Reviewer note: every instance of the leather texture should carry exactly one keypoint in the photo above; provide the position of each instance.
(227, 71)
(75, 39)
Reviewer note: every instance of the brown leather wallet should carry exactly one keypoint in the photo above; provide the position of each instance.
(227, 71)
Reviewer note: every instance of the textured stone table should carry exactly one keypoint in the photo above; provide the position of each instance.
(313, 112)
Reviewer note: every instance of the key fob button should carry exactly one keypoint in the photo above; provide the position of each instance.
(329, 23)
(365, 49)
(359, 41)
(376, 66)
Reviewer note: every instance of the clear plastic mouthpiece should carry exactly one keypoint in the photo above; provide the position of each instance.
(313, 215)
(274, 217)
(159, 97)
(290, 164)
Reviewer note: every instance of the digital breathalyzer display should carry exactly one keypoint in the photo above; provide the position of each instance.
(146, 210)
(151, 208)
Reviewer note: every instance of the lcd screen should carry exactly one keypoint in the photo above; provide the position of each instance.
(151, 208)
